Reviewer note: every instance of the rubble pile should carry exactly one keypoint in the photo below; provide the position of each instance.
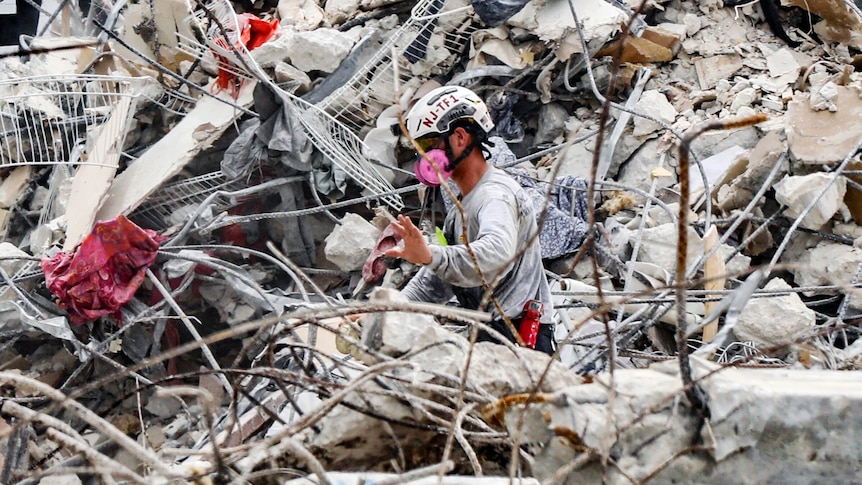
(195, 202)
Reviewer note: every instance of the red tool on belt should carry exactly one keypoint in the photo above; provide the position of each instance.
(530, 322)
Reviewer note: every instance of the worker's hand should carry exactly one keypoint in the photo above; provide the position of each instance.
(415, 248)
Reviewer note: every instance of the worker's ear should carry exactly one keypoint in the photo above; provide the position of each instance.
(462, 137)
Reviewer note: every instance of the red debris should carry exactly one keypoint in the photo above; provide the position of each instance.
(253, 32)
(375, 266)
(104, 272)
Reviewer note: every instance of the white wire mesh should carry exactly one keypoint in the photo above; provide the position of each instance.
(425, 45)
(172, 198)
(47, 119)
(334, 139)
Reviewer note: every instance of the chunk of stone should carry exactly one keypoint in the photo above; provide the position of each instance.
(798, 191)
(827, 264)
(653, 103)
(637, 171)
(350, 243)
(12, 258)
(711, 70)
(823, 97)
(713, 142)
(292, 77)
(276, 50)
(763, 157)
(322, 49)
(552, 122)
(812, 135)
(576, 160)
(394, 333)
(300, 14)
(12, 185)
(638, 50)
(337, 11)
(775, 320)
(658, 246)
(692, 23)
(744, 98)
(667, 35)
(163, 406)
(783, 67)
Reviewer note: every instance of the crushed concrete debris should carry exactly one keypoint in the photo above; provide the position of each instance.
(209, 190)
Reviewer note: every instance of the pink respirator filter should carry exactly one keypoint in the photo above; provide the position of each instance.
(425, 170)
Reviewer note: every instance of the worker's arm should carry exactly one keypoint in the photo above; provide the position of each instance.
(494, 247)
(427, 287)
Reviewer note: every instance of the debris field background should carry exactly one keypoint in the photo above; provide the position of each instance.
(195, 197)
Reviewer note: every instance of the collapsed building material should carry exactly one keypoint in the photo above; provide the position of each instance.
(272, 376)
(757, 427)
(197, 131)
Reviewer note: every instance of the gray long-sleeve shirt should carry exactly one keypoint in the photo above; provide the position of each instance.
(500, 223)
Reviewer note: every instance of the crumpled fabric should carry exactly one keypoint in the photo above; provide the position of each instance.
(509, 127)
(375, 265)
(297, 242)
(417, 49)
(253, 32)
(276, 135)
(104, 272)
(495, 12)
(565, 226)
(330, 180)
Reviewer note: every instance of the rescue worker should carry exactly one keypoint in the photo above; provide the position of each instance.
(450, 124)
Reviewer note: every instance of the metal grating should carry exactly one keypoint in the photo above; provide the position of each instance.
(47, 119)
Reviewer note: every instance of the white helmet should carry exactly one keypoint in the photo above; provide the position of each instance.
(435, 112)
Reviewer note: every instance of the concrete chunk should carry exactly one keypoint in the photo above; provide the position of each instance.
(775, 320)
(653, 103)
(320, 50)
(827, 264)
(350, 243)
(797, 191)
(711, 70)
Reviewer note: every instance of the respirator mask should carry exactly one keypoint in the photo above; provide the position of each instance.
(424, 168)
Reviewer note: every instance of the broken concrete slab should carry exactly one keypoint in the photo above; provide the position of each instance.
(811, 135)
(798, 191)
(10, 188)
(711, 70)
(639, 50)
(300, 14)
(758, 430)
(552, 21)
(321, 49)
(92, 181)
(760, 162)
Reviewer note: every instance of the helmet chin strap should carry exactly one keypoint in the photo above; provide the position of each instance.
(453, 162)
